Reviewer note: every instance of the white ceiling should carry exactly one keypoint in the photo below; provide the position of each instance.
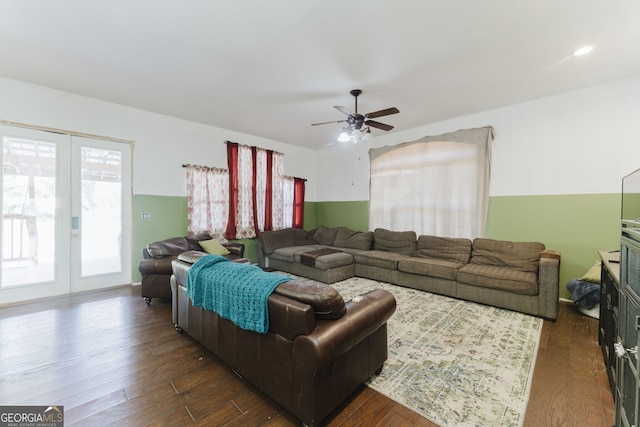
(271, 68)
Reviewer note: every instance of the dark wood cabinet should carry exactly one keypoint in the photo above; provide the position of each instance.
(609, 311)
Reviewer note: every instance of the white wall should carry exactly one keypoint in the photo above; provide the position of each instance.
(579, 142)
(161, 143)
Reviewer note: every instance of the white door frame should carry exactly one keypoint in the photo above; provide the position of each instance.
(67, 276)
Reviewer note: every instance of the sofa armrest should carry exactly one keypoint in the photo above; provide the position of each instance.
(156, 265)
(333, 338)
(236, 248)
(548, 282)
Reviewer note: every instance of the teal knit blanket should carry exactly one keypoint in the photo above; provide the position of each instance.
(237, 292)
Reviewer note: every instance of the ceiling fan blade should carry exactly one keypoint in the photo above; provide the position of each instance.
(326, 123)
(343, 110)
(378, 125)
(380, 113)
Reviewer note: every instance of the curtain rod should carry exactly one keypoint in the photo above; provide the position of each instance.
(63, 131)
(208, 167)
(250, 146)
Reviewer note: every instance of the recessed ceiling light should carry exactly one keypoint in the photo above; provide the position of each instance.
(583, 51)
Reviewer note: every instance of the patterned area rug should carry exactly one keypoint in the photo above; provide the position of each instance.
(454, 362)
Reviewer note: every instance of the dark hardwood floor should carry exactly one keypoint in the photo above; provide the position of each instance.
(112, 360)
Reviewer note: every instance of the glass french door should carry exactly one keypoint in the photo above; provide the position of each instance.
(66, 214)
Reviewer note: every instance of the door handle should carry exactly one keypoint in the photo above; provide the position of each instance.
(75, 226)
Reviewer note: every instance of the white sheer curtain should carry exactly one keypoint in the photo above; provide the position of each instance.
(288, 205)
(207, 200)
(261, 186)
(245, 220)
(437, 185)
(208, 196)
(279, 200)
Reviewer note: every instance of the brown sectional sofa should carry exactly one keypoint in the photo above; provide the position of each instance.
(519, 276)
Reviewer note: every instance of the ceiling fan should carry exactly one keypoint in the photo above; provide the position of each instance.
(356, 121)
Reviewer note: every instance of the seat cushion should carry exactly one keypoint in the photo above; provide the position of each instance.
(288, 253)
(500, 278)
(329, 261)
(430, 267)
(381, 259)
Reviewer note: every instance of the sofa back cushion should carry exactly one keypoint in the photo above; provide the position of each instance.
(347, 238)
(400, 242)
(448, 248)
(327, 303)
(193, 241)
(325, 235)
(523, 256)
(168, 247)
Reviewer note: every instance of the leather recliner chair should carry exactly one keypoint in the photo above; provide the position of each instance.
(155, 265)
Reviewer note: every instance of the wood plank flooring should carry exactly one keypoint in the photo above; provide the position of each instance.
(112, 360)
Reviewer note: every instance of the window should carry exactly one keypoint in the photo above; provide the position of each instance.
(434, 186)
(251, 196)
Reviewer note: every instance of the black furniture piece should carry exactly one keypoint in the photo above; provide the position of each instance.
(609, 311)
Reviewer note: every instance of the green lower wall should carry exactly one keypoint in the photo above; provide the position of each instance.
(575, 225)
(354, 215)
(168, 218)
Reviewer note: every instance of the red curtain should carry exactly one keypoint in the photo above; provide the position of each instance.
(298, 192)
(268, 202)
(232, 164)
(298, 203)
(254, 186)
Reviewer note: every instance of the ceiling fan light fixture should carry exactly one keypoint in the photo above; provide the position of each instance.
(354, 130)
(583, 51)
(344, 135)
(366, 137)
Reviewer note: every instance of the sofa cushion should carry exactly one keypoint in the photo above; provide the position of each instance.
(168, 247)
(500, 278)
(324, 235)
(522, 256)
(447, 248)
(347, 238)
(327, 303)
(431, 267)
(191, 256)
(214, 247)
(288, 253)
(381, 259)
(328, 261)
(272, 240)
(401, 242)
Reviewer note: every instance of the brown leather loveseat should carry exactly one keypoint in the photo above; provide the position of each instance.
(318, 349)
(155, 265)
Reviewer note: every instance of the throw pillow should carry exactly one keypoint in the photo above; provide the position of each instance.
(593, 274)
(214, 247)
